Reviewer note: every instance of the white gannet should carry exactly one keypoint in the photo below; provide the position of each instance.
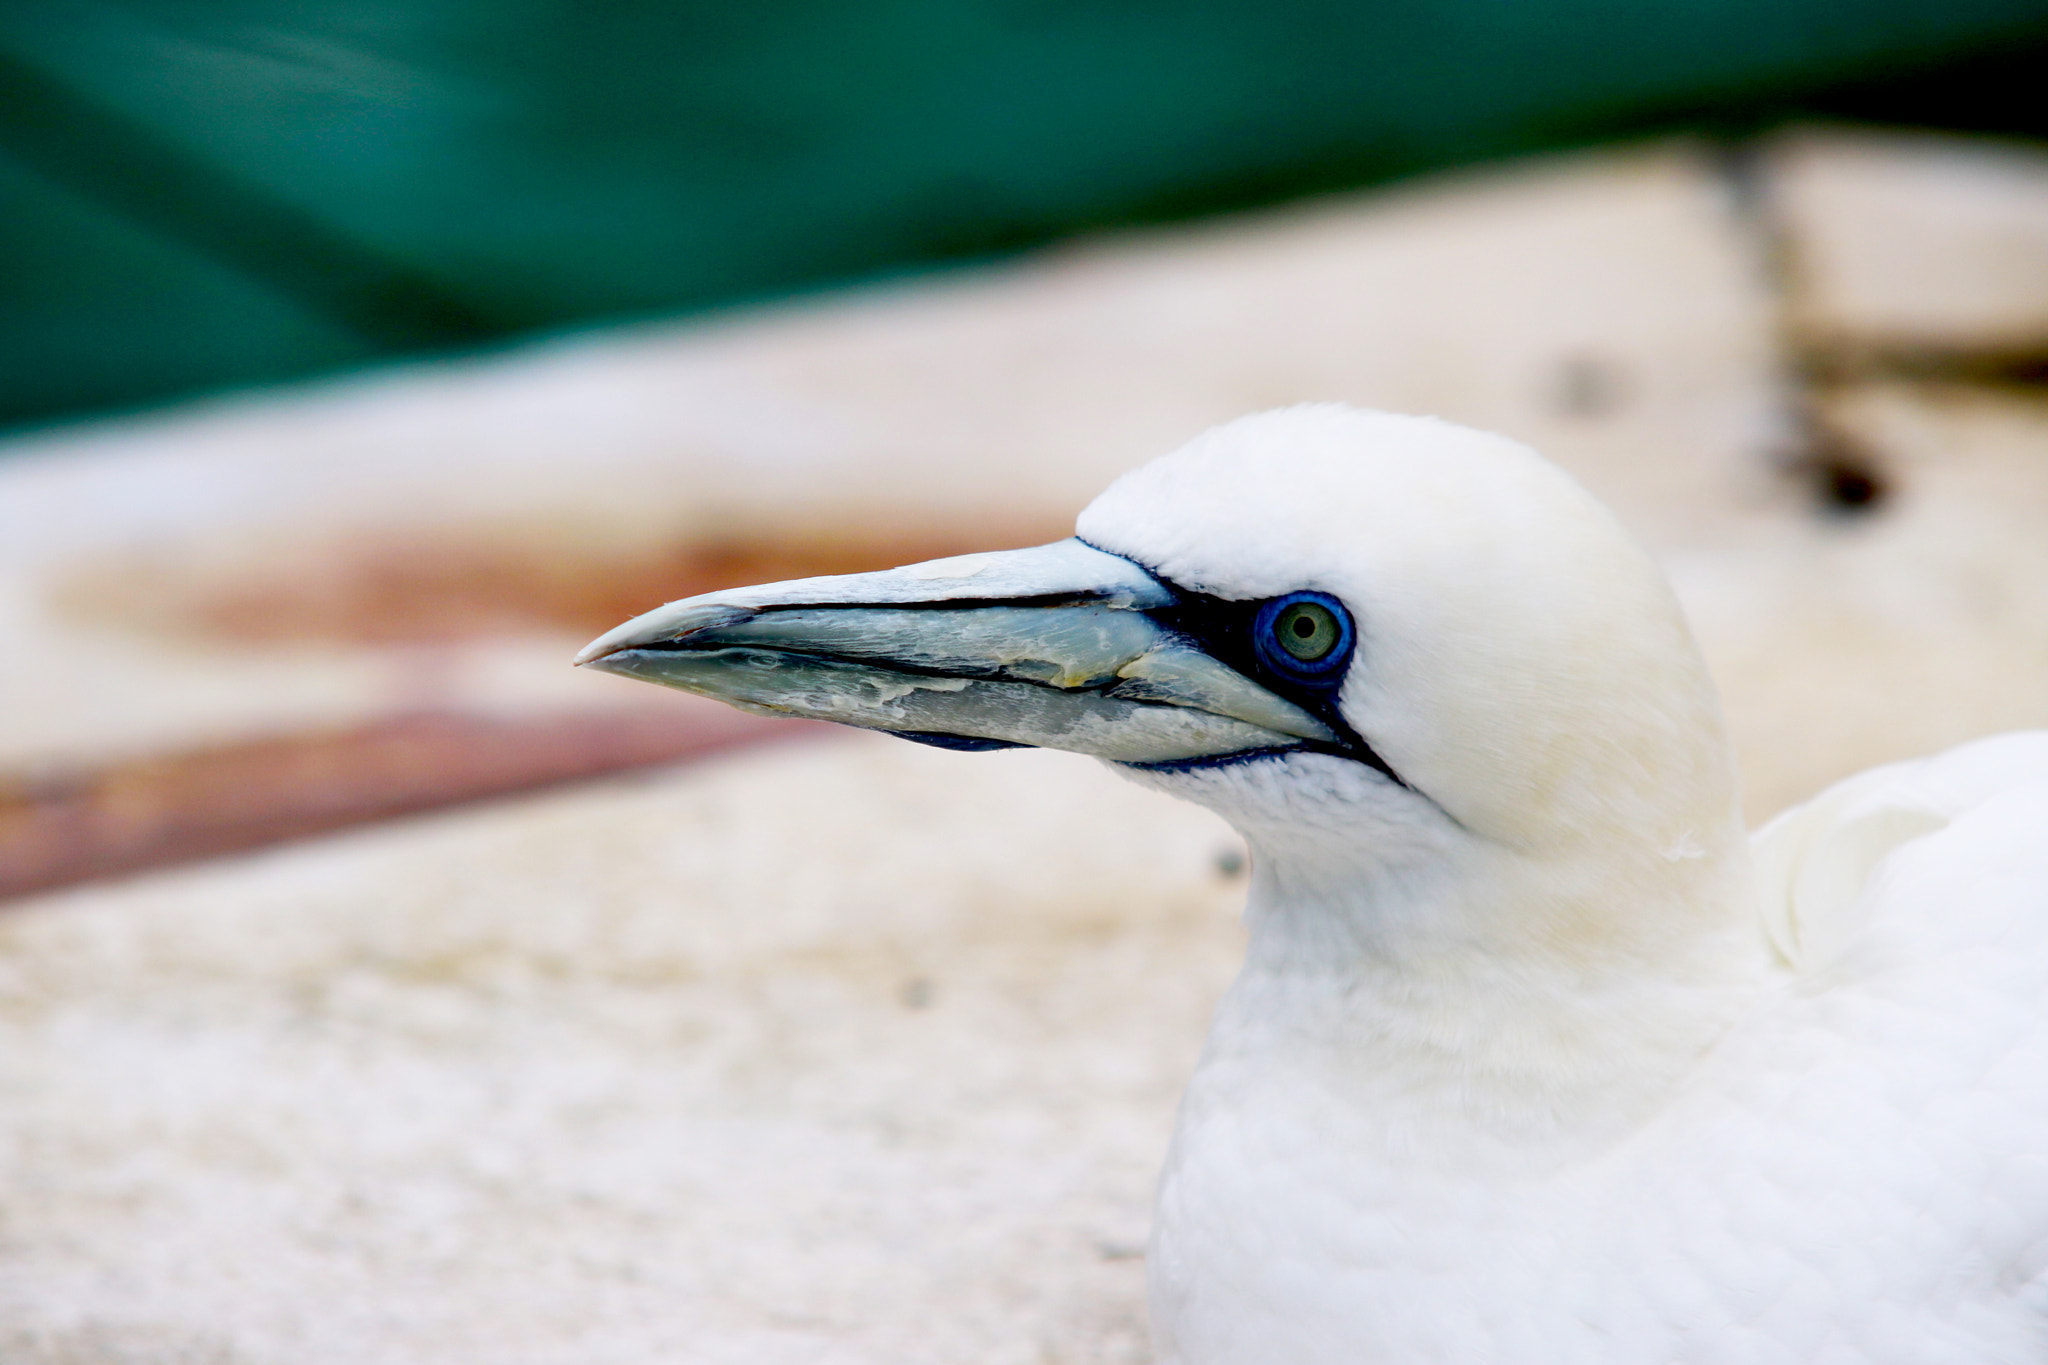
(1536, 1056)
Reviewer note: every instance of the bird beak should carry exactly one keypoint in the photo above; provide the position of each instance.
(1055, 647)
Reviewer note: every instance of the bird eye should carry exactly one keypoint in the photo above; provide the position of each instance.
(1304, 633)
(1307, 630)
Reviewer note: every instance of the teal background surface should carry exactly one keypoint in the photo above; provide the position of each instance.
(196, 196)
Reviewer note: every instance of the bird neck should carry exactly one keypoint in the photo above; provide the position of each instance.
(1454, 984)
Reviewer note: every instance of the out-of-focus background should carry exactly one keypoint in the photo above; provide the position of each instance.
(209, 195)
(374, 986)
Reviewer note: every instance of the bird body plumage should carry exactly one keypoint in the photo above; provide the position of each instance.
(1850, 1169)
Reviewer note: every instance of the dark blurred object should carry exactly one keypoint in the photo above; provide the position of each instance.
(197, 196)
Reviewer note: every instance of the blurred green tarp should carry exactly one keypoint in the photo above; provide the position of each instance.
(197, 194)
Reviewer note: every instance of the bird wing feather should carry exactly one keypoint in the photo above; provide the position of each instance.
(1816, 860)
(1875, 1171)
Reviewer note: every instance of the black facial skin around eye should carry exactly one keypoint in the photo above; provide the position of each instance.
(1231, 633)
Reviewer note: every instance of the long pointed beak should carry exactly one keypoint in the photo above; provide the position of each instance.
(1055, 647)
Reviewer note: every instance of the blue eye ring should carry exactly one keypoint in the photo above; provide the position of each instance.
(1306, 636)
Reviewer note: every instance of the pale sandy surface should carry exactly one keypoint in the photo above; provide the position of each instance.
(1842, 643)
(1917, 240)
(862, 1052)
(854, 1052)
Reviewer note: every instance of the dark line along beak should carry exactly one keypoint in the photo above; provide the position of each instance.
(1052, 647)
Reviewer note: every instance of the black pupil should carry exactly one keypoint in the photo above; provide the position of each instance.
(1303, 627)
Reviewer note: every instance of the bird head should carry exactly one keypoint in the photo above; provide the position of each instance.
(1371, 642)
